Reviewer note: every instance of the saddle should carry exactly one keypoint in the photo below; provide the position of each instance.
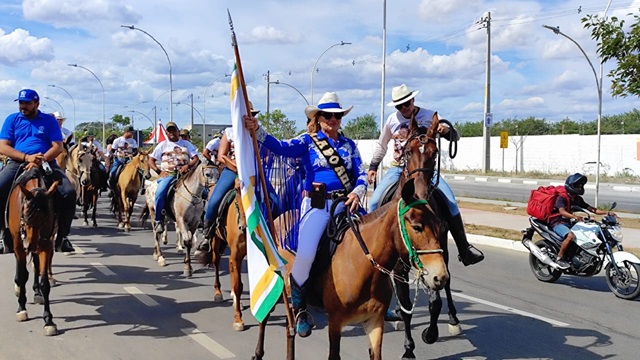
(223, 210)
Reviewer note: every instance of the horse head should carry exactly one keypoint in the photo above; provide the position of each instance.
(211, 173)
(419, 155)
(142, 162)
(85, 164)
(37, 207)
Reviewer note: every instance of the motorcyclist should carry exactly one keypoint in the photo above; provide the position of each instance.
(561, 216)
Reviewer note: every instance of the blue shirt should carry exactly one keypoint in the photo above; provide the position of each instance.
(316, 166)
(31, 136)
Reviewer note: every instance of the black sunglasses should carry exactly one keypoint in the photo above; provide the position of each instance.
(404, 104)
(328, 115)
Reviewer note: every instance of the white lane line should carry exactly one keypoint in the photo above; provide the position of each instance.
(208, 343)
(78, 250)
(530, 182)
(507, 181)
(144, 298)
(556, 183)
(458, 178)
(622, 188)
(510, 309)
(103, 269)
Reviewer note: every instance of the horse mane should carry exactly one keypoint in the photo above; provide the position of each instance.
(377, 213)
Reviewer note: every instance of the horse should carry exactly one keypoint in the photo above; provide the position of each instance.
(186, 206)
(406, 229)
(32, 224)
(127, 188)
(63, 157)
(89, 182)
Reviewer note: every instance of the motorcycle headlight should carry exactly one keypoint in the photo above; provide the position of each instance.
(616, 233)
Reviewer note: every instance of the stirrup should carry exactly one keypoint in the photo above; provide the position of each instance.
(305, 326)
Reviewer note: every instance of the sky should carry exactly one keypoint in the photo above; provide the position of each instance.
(436, 47)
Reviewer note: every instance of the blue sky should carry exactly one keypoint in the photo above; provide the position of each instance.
(436, 47)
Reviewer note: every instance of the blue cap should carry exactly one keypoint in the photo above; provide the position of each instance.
(28, 95)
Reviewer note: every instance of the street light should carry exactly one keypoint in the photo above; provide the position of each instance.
(48, 98)
(557, 31)
(170, 68)
(104, 126)
(314, 65)
(152, 126)
(74, 105)
(278, 82)
(204, 107)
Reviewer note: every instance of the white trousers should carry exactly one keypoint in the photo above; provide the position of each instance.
(312, 225)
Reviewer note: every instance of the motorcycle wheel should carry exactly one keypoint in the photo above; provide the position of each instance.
(541, 271)
(624, 283)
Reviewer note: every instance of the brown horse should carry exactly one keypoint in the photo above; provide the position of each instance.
(127, 188)
(32, 224)
(405, 229)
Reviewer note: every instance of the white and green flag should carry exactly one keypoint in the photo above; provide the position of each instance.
(263, 260)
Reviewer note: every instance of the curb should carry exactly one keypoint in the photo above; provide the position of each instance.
(539, 182)
(494, 242)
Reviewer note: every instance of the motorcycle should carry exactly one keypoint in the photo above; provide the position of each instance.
(588, 253)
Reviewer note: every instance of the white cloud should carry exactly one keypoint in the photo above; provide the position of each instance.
(73, 13)
(19, 46)
(520, 104)
(268, 34)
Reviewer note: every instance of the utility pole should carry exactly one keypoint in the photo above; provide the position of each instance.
(268, 75)
(486, 129)
(192, 113)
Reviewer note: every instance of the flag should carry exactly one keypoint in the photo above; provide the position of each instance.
(263, 261)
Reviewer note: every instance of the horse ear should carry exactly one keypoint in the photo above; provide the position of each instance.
(435, 121)
(52, 188)
(27, 193)
(408, 191)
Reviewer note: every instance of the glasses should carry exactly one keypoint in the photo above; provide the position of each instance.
(403, 105)
(328, 115)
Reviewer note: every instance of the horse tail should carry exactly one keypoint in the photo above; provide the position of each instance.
(144, 215)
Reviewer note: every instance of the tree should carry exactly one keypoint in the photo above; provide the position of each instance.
(278, 125)
(624, 47)
(121, 121)
(362, 127)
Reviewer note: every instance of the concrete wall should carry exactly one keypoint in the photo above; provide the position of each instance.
(545, 153)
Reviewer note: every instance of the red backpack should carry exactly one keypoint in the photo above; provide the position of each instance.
(542, 202)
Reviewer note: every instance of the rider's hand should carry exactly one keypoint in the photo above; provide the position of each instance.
(250, 123)
(163, 173)
(443, 129)
(579, 218)
(36, 159)
(371, 176)
(30, 166)
(353, 201)
(184, 169)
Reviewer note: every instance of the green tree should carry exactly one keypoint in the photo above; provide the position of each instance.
(278, 125)
(362, 127)
(614, 43)
(469, 129)
(121, 121)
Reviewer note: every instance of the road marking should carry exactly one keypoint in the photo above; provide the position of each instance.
(103, 269)
(482, 179)
(459, 177)
(78, 250)
(510, 309)
(508, 181)
(622, 188)
(635, 188)
(530, 182)
(208, 343)
(556, 183)
(144, 298)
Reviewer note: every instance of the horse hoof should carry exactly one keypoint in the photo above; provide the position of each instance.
(455, 330)
(155, 257)
(120, 225)
(50, 330)
(38, 299)
(217, 298)
(86, 223)
(180, 251)
(162, 262)
(164, 242)
(238, 327)
(127, 228)
(187, 273)
(398, 325)
(430, 336)
(408, 355)
(53, 282)
(95, 224)
(22, 315)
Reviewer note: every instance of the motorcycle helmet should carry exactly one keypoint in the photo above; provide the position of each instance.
(575, 184)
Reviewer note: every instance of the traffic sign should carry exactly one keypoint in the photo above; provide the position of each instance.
(504, 139)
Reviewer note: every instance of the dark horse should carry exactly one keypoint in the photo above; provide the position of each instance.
(355, 287)
(89, 181)
(33, 225)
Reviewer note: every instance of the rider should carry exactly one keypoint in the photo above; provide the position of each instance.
(561, 216)
(31, 137)
(90, 140)
(321, 183)
(227, 178)
(124, 147)
(175, 155)
(65, 132)
(396, 128)
(185, 135)
(211, 150)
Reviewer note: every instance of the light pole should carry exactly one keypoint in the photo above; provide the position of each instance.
(170, 68)
(74, 105)
(314, 65)
(48, 98)
(104, 126)
(204, 108)
(152, 125)
(557, 31)
(278, 82)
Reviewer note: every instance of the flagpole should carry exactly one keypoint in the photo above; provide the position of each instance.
(256, 151)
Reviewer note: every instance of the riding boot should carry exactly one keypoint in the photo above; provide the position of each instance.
(6, 245)
(207, 228)
(62, 244)
(112, 186)
(467, 253)
(299, 302)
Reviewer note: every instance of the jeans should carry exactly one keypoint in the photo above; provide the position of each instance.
(114, 167)
(393, 175)
(161, 194)
(561, 229)
(225, 183)
(64, 197)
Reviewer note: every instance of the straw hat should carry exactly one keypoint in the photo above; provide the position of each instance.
(329, 102)
(401, 94)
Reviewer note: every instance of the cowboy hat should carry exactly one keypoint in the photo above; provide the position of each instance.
(253, 111)
(58, 116)
(329, 102)
(185, 132)
(401, 94)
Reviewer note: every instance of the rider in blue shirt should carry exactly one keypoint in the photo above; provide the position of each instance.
(31, 137)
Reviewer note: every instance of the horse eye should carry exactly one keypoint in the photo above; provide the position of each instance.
(416, 228)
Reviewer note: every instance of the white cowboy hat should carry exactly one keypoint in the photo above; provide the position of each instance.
(329, 102)
(401, 94)
(58, 116)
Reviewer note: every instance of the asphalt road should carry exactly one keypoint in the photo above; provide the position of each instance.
(114, 302)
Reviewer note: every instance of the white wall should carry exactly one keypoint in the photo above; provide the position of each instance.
(545, 153)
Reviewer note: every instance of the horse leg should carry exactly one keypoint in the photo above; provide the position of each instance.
(94, 203)
(217, 248)
(430, 334)
(128, 210)
(38, 298)
(180, 239)
(238, 252)
(375, 329)
(259, 353)
(85, 210)
(21, 278)
(406, 309)
(454, 323)
(335, 335)
(183, 233)
(157, 251)
(50, 327)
